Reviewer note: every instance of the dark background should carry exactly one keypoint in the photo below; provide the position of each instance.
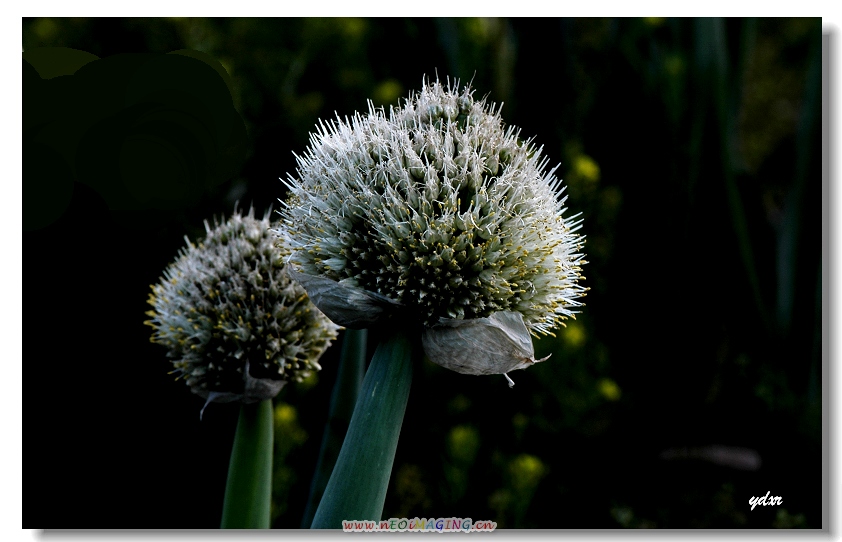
(690, 382)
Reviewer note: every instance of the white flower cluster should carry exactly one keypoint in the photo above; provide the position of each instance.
(438, 209)
(235, 325)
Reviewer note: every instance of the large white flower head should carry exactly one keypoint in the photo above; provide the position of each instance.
(235, 325)
(439, 209)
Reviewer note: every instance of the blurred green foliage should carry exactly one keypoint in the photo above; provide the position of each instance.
(691, 148)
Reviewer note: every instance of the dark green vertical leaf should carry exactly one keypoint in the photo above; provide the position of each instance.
(345, 392)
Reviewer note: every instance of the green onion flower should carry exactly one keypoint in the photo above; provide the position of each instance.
(235, 326)
(439, 213)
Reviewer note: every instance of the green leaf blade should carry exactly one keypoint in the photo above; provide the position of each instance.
(344, 398)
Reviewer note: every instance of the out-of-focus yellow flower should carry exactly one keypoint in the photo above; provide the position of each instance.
(609, 389)
(574, 334)
(388, 92)
(527, 470)
(463, 443)
(586, 168)
(285, 414)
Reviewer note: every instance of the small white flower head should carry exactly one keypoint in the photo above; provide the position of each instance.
(440, 211)
(235, 325)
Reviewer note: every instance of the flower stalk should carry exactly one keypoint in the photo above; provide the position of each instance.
(248, 491)
(357, 486)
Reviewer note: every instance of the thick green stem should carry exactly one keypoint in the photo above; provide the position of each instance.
(345, 392)
(248, 493)
(357, 486)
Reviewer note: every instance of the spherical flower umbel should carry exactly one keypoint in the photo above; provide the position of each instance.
(235, 326)
(440, 211)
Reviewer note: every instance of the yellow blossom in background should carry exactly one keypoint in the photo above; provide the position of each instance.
(574, 334)
(609, 389)
(586, 168)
